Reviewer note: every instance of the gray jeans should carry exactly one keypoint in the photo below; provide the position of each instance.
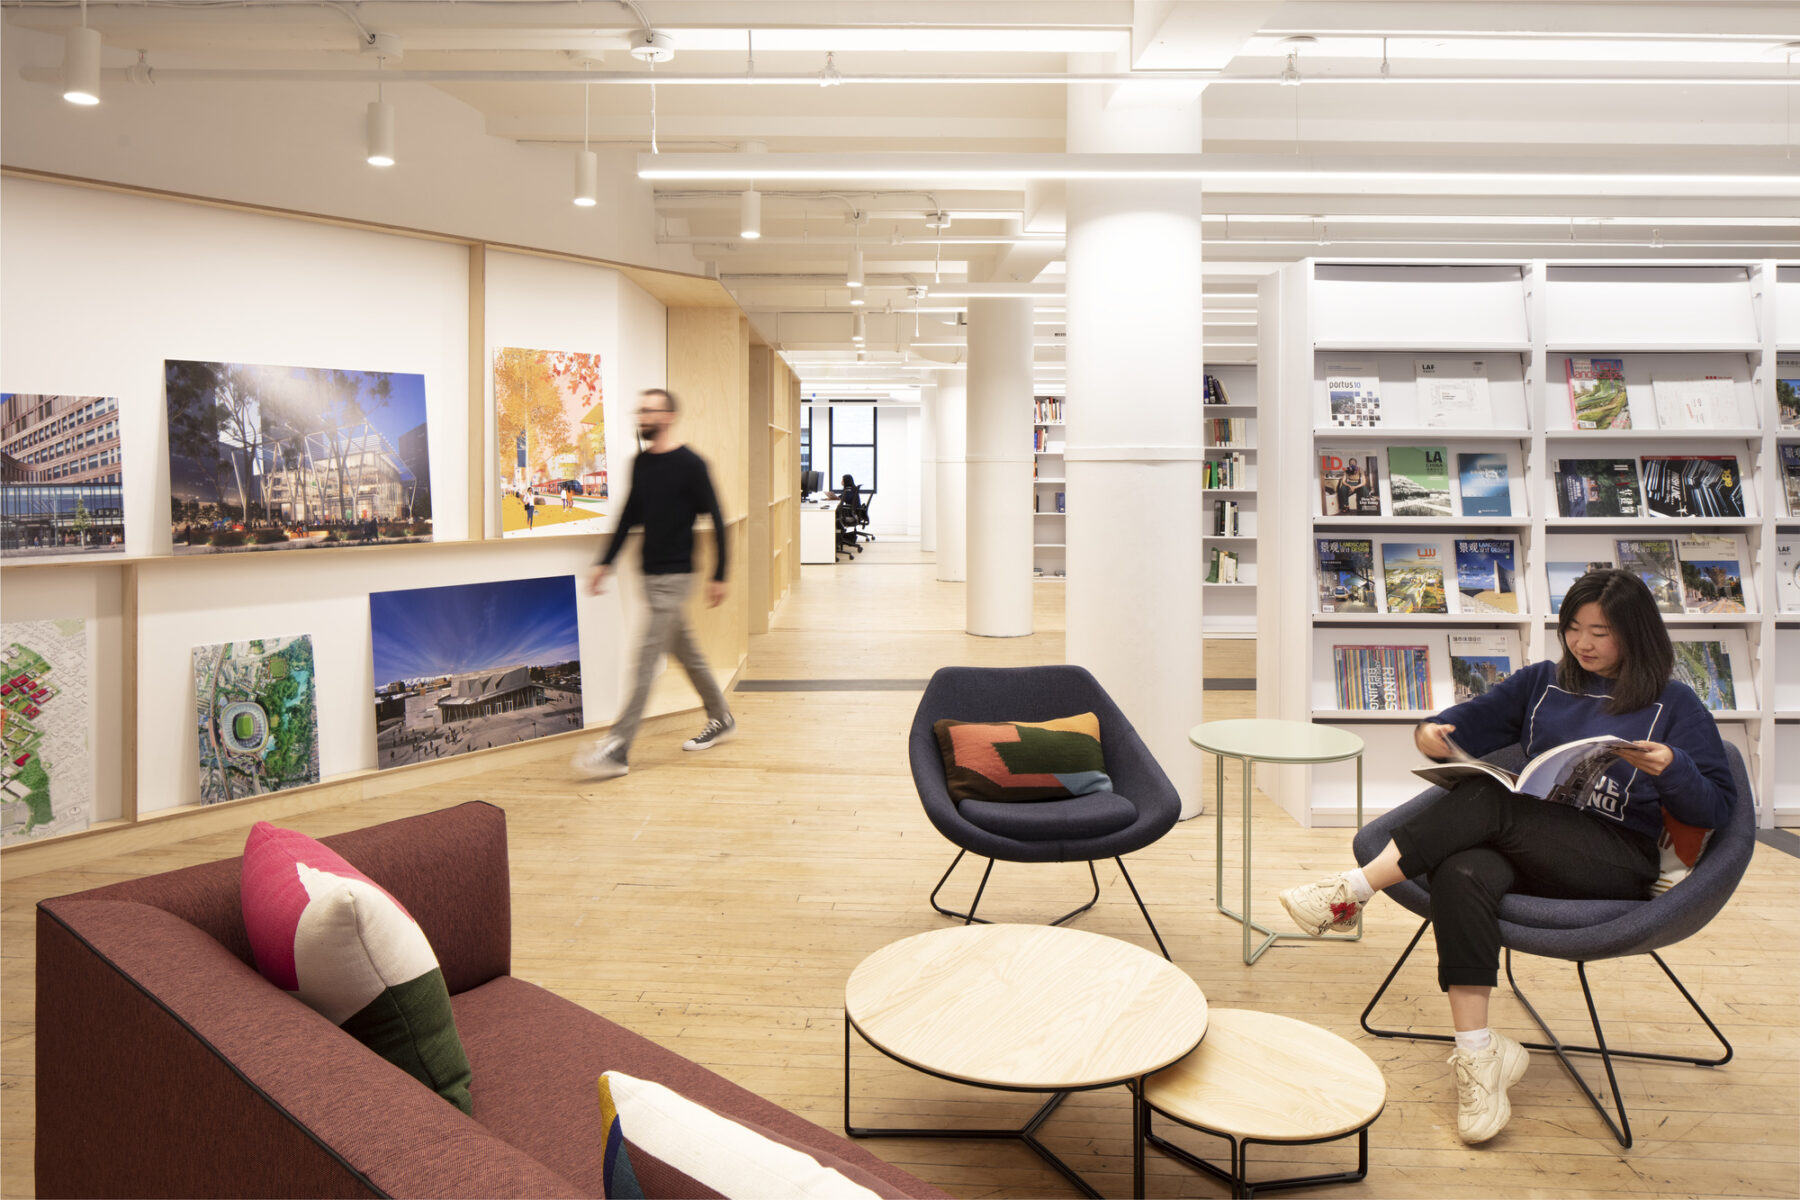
(666, 633)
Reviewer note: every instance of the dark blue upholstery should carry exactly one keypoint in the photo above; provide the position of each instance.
(1076, 830)
(1586, 930)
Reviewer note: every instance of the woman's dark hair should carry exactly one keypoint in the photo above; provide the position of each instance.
(1646, 659)
(849, 480)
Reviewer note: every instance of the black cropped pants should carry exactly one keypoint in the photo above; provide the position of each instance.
(1482, 841)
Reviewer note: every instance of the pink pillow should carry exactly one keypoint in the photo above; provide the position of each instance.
(332, 937)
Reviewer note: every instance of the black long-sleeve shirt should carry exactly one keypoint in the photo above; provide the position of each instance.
(668, 491)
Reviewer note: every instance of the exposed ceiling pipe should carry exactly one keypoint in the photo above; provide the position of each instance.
(971, 239)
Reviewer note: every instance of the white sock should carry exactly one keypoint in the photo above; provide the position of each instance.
(1359, 885)
(1473, 1041)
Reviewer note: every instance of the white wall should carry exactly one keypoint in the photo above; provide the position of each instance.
(895, 510)
(301, 147)
(97, 289)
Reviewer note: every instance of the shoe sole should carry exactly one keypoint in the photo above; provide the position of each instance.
(723, 737)
(1305, 928)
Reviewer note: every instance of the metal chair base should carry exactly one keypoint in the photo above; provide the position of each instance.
(1237, 1178)
(1620, 1128)
(969, 918)
(1026, 1133)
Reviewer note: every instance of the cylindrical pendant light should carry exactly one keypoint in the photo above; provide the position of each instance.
(381, 134)
(859, 330)
(853, 276)
(587, 178)
(81, 66)
(750, 214)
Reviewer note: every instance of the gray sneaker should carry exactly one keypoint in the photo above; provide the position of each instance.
(599, 761)
(714, 733)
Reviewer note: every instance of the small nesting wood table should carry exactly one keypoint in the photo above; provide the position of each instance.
(1024, 1008)
(1263, 1079)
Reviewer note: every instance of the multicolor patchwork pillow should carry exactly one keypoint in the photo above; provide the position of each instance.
(681, 1148)
(329, 935)
(1023, 760)
(1681, 846)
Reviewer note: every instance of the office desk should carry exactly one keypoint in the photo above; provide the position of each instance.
(818, 531)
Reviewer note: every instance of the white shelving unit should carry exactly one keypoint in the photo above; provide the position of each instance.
(1523, 320)
(1229, 609)
(1049, 535)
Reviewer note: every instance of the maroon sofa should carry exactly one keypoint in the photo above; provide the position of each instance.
(166, 1066)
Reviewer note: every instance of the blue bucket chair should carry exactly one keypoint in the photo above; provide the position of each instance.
(1585, 931)
(1142, 806)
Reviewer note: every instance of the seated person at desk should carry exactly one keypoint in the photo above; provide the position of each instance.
(847, 493)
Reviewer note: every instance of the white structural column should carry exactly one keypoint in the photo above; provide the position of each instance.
(998, 600)
(928, 403)
(952, 485)
(1134, 446)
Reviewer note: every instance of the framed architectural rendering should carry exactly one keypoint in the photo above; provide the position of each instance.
(61, 476)
(289, 458)
(550, 428)
(474, 665)
(47, 777)
(256, 710)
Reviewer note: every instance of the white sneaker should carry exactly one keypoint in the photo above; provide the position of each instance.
(714, 733)
(598, 761)
(1482, 1078)
(1326, 905)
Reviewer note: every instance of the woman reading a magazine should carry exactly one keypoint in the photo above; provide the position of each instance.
(1594, 836)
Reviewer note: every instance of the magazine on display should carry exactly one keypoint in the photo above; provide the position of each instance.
(1413, 577)
(1419, 481)
(1705, 403)
(1597, 395)
(1653, 561)
(1486, 575)
(1699, 486)
(1787, 391)
(1453, 394)
(1346, 576)
(1564, 574)
(1562, 775)
(1787, 575)
(1705, 666)
(1382, 678)
(1712, 572)
(1349, 484)
(1486, 487)
(1478, 662)
(1597, 487)
(1353, 390)
(1790, 476)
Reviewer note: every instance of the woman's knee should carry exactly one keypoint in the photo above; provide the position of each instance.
(1473, 873)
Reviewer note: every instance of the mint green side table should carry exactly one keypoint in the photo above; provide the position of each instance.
(1270, 741)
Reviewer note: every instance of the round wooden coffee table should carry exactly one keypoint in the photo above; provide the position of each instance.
(1261, 1078)
(1023, 1008)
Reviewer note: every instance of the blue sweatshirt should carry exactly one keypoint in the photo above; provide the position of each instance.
(1529, 708)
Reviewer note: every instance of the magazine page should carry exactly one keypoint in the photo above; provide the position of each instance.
(1554, 768)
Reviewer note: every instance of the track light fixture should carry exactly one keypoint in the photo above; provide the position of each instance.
(81, 64)
(750, 214)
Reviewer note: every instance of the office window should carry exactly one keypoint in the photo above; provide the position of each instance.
(853, 445)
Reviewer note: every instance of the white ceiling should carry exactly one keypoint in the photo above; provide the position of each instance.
(1685, 86)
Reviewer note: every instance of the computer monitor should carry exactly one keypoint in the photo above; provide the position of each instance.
(811, 482)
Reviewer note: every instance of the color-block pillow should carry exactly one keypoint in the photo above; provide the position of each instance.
(1681, 846)
(329, 935)
(680, 1148)
(1023, 760)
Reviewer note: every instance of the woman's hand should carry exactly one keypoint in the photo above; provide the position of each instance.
(1652, 758)
(1429, 738)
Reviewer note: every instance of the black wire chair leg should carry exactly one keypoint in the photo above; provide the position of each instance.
(1382, 991)
(1621, 1129)
(969, 918)
(1092, 900)
(1140, 904)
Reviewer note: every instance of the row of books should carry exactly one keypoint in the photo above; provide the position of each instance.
(1453, 394)
(1040, 440)
(1047, 408)
(1227, 431)
(1230, 471)
(1222, 567)
(1225, 518)
(1212, 391)
(1398, 678)
(1412, 576)
(1037, 502)
(1672, 486)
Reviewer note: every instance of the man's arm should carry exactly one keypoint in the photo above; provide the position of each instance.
(707, 500)
(632, 514)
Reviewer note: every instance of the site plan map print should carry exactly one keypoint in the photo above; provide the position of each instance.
(47, 782)
(256, 709)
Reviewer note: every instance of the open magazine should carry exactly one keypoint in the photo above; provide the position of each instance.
(1563, 774)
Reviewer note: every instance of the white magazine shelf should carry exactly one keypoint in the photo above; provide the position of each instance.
(1555, 415)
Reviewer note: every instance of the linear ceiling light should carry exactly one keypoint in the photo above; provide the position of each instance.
(81, 64)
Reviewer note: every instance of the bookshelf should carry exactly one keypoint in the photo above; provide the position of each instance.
(1231, 437)
(1049, 532)
(1522, 321)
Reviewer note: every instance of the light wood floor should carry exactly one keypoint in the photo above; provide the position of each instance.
(717, 903)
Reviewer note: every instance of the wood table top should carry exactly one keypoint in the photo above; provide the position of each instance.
(1271, 1077)
(1026, 1006)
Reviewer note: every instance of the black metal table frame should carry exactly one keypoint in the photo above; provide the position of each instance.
(1238, 1176)
(1026, 1133)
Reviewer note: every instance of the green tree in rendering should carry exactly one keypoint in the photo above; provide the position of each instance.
(82, 522)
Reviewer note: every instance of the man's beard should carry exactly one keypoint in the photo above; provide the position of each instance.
(647, 432)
